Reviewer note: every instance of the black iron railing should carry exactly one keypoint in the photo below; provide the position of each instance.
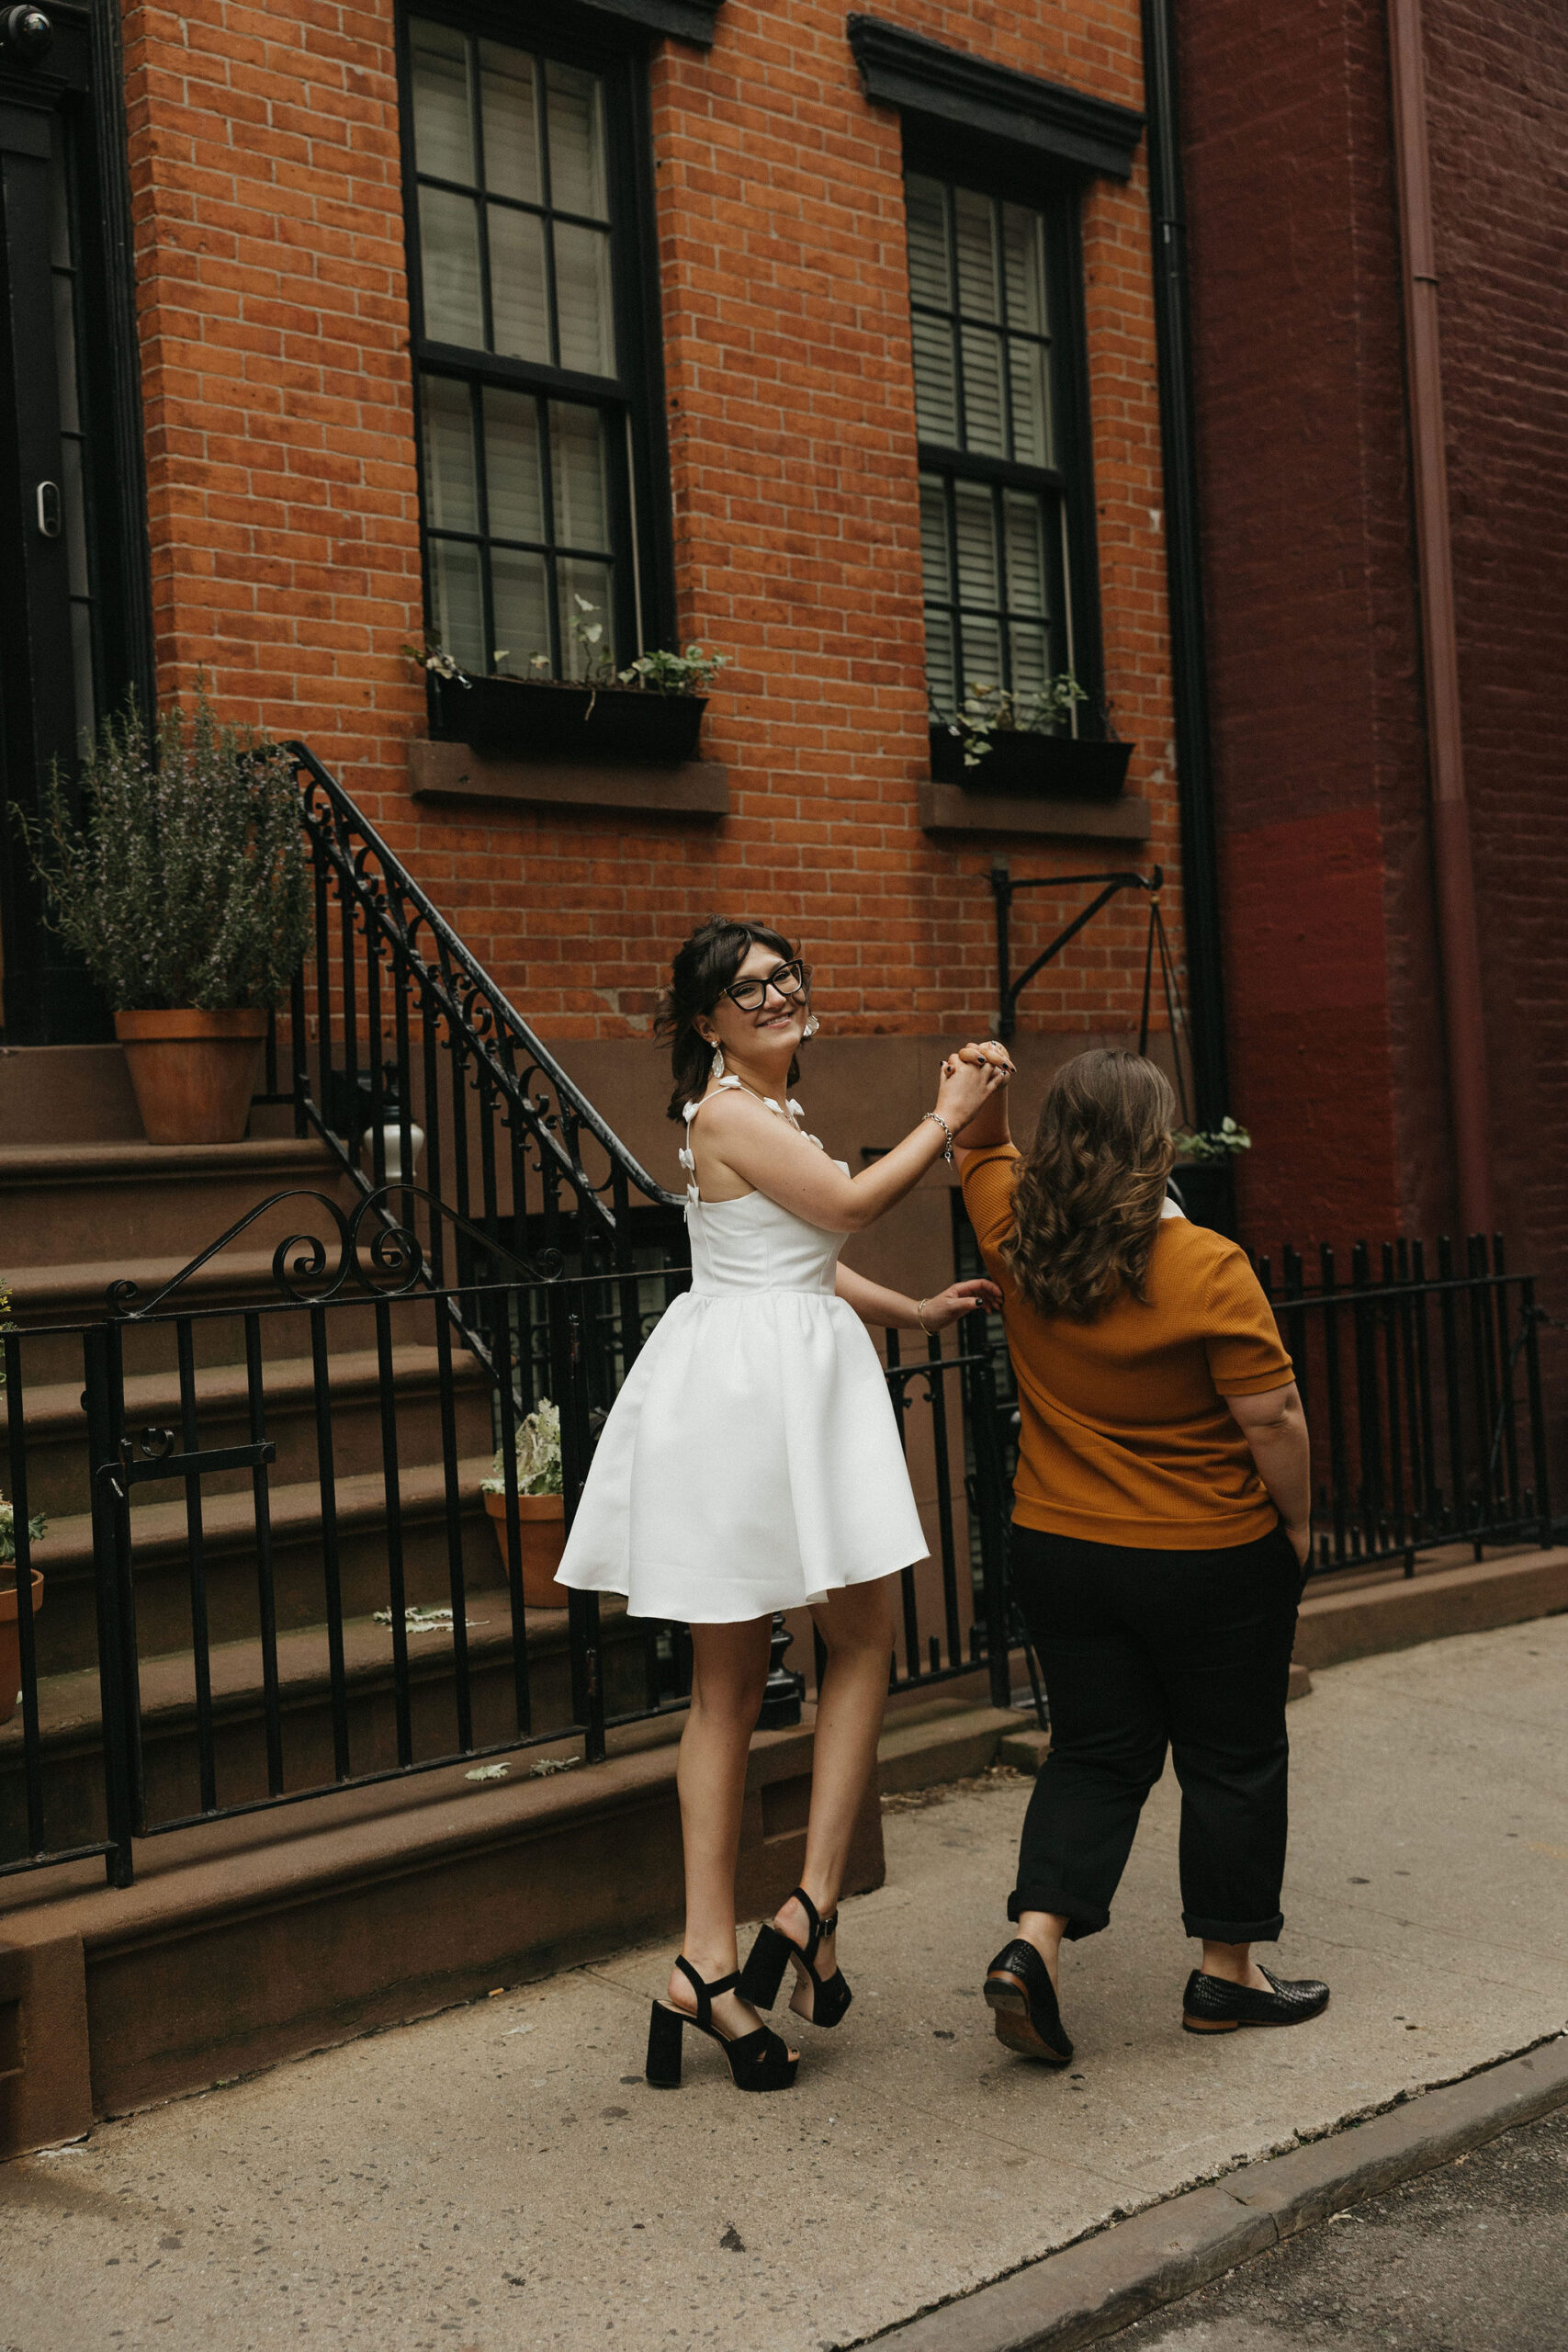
(398, 1047)
(1423, 1396)
(270, 1571)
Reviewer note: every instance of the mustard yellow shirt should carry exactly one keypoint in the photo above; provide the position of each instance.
(1124, 1433)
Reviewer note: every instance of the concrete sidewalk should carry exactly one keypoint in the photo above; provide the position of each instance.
(499, 2176)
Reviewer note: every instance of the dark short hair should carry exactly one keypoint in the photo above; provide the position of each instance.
(703, 969)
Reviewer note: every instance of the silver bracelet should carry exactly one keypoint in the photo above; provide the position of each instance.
(947, 1131)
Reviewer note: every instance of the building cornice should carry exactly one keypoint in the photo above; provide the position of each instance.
(923, 77)
(691, 20)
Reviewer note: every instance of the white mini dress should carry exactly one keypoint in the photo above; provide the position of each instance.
(752, 1461)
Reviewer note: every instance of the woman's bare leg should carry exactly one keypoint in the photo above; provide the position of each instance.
(730, 1667)
(856, 1625)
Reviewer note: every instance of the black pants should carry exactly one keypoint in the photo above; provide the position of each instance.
(1139, 1648)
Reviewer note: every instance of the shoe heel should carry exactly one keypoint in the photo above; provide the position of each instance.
(763, 1972)
(665, 2028)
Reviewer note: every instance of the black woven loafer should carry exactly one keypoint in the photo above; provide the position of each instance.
(1212, 2005)
(1019, 1992)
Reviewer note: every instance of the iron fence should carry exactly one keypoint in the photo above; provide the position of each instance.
(270, 1572)
(1423, 1397)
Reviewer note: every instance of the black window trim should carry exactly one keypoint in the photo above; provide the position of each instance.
(947, 151)
(1034, 118)
(592, 38)
(989, 127)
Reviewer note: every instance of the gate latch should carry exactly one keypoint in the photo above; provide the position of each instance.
(159, 1460)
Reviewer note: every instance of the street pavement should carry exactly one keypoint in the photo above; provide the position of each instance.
(1473, 2258)
(499, 2176)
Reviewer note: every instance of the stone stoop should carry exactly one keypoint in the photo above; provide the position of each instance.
(257, 1941)
(1361, 1612)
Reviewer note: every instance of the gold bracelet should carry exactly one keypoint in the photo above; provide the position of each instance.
(920, 1319)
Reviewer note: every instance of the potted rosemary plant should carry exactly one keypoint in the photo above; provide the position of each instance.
(996, 742)
(186, 891)
(541, 1507)
(650, 712)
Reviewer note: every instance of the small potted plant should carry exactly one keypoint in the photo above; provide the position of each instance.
(650, 712)
(541, 1507)
(187, 893)
(1204, 1175)
(995, 743)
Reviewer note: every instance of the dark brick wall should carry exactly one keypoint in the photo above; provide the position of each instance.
(1498, 101)
(1331, 964)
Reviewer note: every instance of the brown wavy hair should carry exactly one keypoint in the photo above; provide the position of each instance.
(1086, 1205)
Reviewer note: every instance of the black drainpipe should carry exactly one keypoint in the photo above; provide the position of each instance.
(1194, 765)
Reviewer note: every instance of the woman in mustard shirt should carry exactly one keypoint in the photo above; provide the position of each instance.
(1161, 1536)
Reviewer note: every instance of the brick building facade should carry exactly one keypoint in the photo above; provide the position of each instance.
(261, 509)
(281, 324)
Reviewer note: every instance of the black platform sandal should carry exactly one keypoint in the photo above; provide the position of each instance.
(825, 2000)
(758, 2060)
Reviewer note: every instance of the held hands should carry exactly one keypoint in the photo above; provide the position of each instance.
(960, 1299)
(969, 1078)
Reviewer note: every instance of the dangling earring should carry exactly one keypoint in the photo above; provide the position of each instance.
(718, 1068)
(812, 1027)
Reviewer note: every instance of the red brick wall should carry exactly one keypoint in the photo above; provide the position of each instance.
(264, 167)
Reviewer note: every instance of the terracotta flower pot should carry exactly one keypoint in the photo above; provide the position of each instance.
(11, 1645)
(541, 1525)
(193, 1073)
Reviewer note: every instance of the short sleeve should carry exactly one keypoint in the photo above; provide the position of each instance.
(988, 1181)
(1241, 1339)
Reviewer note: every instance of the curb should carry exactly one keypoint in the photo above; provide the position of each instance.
(1104, 2283)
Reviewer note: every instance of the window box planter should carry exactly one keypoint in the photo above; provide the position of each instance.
(1034, 767)
(523, 718)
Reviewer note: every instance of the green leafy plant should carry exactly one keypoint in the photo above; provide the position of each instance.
(185, 884)
(1213, 1143)
(440, 664)
(591, 662)
(989, 710)
(36, 1528)
(538, 1455)
(692, 673)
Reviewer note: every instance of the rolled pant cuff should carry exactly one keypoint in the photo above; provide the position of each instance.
(1082, 1918)
(1234, 1931)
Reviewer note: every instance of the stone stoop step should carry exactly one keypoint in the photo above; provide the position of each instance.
(247, 1941)
(256, 1939)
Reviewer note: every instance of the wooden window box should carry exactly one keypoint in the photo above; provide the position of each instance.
(525, 718)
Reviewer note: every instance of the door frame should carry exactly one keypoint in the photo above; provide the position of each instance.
(80, 82)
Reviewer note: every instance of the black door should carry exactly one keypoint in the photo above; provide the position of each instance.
(74, 602)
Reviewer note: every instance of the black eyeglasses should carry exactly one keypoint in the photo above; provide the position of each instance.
(790, 979)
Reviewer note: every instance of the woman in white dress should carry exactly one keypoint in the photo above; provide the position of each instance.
(751, 1463)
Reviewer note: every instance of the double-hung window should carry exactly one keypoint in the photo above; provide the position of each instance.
(1005, 545)
(536, 348)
